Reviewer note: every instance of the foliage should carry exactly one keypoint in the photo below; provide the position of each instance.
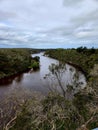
(58, 82)
(36, 58)
(55, 113)
(83, 57)
(23, 121)
(34, 65)
(86, 101)
(13, 61)
(15, 105)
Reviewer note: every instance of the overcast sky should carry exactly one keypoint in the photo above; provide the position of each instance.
(48, 23)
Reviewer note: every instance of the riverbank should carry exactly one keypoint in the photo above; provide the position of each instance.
(8, 79)
(16, 61)
(54, 110)
(83, 58)
(86, 100)
(30, 79)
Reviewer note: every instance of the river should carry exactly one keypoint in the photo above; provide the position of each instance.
(35, 81)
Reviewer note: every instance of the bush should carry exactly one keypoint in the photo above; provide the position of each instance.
(34, 65)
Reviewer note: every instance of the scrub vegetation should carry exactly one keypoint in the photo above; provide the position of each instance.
(55, 111)
(13, 61)
(82, 58)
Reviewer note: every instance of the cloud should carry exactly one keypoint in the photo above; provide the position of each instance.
(47, 23)
(71, 2)
(6, 15)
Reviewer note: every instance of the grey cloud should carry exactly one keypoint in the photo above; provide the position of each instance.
(71, 2)
(86, 25)
(12, 36)
(6, 15)
(48, 22)
(3, 39)
(86, 17)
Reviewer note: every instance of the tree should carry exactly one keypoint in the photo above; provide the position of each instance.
(57, 83)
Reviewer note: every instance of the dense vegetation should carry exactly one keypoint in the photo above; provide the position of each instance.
(13, 61)
(87, 61)
(83, 57)
(35, 63)
(55, 111)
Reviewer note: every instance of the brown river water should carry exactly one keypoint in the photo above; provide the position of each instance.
(35, 81)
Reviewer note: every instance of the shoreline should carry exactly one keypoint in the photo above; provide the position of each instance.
(9, 78)
(72, 64)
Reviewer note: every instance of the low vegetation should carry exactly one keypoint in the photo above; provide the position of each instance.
(24, 110)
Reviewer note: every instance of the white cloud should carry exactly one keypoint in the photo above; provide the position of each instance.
(48, 22)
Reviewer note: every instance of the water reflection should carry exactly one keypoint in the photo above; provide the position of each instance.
(5, 82)
(34, 80)
(31, 80)
(19, 78)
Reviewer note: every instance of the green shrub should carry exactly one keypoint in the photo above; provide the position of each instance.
(34, 65)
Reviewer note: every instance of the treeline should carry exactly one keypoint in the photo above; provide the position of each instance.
(83, 57)
(13, 61)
